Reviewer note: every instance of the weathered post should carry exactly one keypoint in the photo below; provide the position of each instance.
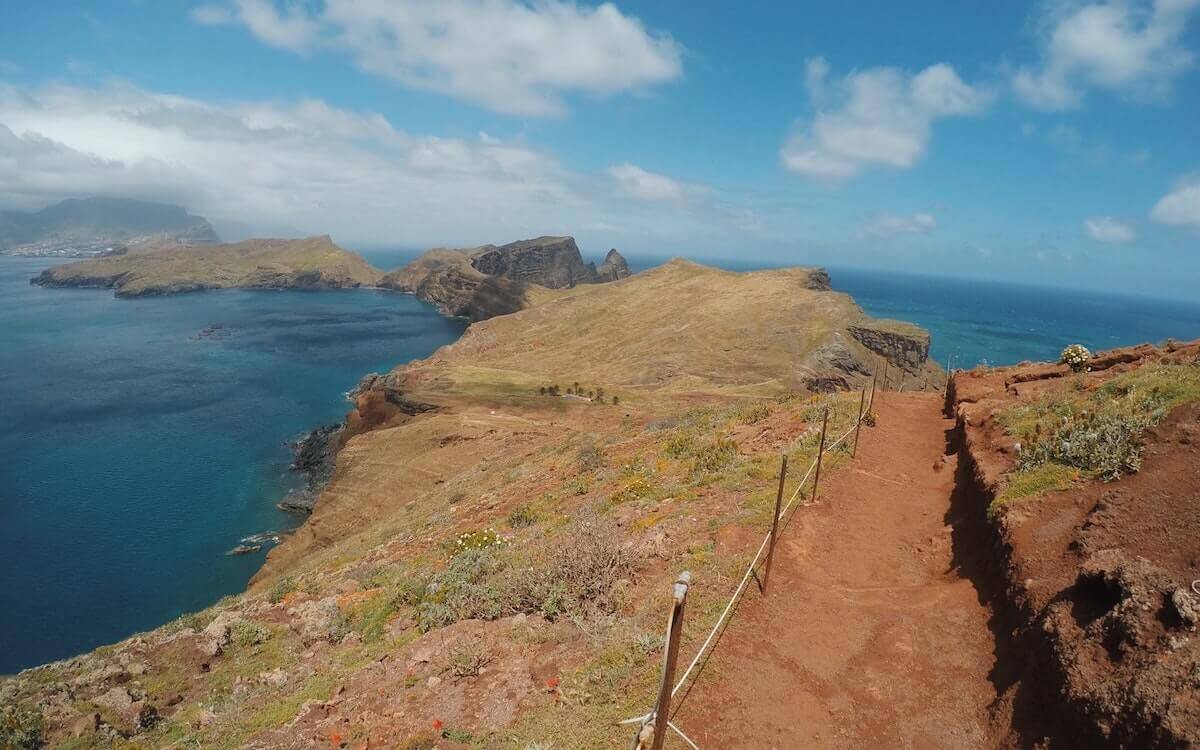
(885, 374)
(862, 401)
(659, 720)
(775, 523)
(874, 386)
(820, 453)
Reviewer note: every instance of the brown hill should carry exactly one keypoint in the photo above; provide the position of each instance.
(311, 263)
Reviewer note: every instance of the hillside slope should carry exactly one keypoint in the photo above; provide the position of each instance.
(312, 263)
(486, 565)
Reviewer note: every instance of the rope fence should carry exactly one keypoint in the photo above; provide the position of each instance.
(647, 737)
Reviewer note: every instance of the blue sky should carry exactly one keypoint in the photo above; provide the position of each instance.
(1049, 142)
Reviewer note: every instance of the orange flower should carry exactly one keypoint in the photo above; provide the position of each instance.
(552, 683)
(437, 725)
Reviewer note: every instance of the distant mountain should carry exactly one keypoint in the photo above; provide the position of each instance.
(96, 226)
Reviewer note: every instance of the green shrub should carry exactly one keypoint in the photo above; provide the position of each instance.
(577, 575)
(246, 633)
(21, 728)
(522, 516)
(753, 413)
(1106, 445)
(714, 456)
(679, 444)
(281, 588)
(478, 539)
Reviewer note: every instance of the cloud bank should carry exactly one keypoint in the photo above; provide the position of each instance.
(510, 56)
(304, 166)
(877, 118)
(1130, 48)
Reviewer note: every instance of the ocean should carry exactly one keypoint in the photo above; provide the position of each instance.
(136, 452)
(143, 439)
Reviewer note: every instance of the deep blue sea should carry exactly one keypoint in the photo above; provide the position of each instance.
(134, 455)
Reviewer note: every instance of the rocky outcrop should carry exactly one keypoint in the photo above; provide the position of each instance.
(904, 345)
(613, 268)
(312, 263)
(447, 280)
(483, 282)
(552, 262)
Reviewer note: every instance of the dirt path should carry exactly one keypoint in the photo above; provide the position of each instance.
(869, 637)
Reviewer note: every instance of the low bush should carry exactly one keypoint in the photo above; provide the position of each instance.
(522, 516)
(281, 588)
(21, 728)
(576, 576)
(246, 633)
(1076, 357)
(753, 413)
(712, 457)
(478, 539)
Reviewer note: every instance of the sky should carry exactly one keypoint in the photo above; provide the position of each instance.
(1052, 142)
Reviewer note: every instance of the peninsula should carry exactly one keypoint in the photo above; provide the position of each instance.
(311, 263)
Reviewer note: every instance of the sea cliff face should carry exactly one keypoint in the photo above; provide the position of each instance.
(480, 283)
(312, 263)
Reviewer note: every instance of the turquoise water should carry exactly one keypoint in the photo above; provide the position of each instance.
(135, 454)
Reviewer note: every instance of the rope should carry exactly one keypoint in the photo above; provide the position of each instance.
(686, 739)
(645, 718)
(750, 570)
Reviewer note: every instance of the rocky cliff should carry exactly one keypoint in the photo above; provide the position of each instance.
(482, 282)
(903, 344)
(312, 263)
(447, 280)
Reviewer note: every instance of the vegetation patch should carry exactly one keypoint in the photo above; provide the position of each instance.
(21, 728)
(1077, 432)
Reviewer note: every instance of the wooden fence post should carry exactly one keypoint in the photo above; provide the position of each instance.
(658, 723)
(862, 400)
(874, 386)
(820, 453)
(775, 523)
(885, 374)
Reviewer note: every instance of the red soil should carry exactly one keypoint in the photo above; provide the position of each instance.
(871, 634)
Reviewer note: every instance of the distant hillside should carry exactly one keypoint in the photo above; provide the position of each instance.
(93, 225)
(311, 263)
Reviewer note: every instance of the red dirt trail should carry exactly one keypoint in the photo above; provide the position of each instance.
(869, 636)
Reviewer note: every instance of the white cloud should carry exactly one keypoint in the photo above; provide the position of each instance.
(1126, 46)
(307, 167)
(211, 15)
(637, 183)
(881, 117)
(1181, 206)
(1109, 230)
(510, 56)
(891, 225)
